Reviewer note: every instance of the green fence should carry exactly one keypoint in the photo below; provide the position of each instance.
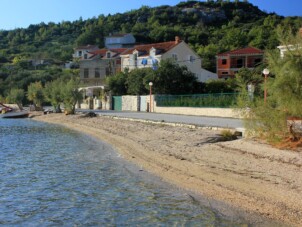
(117, 103)
(222, 100)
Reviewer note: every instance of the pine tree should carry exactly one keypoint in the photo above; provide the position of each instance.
(284, 88)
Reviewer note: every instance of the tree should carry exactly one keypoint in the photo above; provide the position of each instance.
(208, 54)
(171, 78)
(135, 81)
(71, 95)
(53, 94)
(233, 38)
(35, 94)
(284, 87)
(117, 83)
(220, 86)
(16, 96)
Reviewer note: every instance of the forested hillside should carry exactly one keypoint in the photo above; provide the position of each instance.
(208, 27)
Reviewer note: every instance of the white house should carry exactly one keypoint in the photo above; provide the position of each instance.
(119, 41)
(284, 48)
(150, 55)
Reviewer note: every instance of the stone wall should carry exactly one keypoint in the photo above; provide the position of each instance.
(211, 112)
(130, 103)
(95, 104)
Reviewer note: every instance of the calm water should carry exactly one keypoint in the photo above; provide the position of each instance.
(52, 176)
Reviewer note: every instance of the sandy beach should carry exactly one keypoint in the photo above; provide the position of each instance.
(244, 173)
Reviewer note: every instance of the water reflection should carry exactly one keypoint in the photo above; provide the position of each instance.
(53, 176)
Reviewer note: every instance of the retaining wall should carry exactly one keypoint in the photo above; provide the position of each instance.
(132, 103)
(211, 112)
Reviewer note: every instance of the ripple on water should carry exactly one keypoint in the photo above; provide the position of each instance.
(53, 176)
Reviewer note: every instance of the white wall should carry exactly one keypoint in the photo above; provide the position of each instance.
(130, 103)
(206, 75)
(183, 52)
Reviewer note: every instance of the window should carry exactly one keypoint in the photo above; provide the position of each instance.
(108, 55)
(85, 56)
(108, 71)
(80, 53)
(224, 61)
(225, 73)
(257, 61)
(239, 63)
(191, 58)
(135, 59)
(174, 57)
(86, 73)
(97, 73)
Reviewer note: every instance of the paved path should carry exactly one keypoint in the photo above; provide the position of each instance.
(195, 120)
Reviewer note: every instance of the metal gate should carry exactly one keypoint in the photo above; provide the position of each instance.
(117, 103)
(143, 103)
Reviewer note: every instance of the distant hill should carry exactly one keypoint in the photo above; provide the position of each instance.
(208, 27)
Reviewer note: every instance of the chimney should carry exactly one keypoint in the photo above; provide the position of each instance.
(177, 39)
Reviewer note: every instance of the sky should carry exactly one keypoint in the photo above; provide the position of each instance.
(22, 13)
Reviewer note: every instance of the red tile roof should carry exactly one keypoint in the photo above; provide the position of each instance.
(243, 51)
(102, 52)
(144, 49)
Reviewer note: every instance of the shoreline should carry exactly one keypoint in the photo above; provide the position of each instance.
(242, 173)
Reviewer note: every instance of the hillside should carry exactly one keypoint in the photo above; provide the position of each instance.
(209, 28)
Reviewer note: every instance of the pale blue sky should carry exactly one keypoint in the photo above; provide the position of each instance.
(22, 13)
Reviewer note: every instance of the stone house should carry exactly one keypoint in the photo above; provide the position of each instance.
(101, 64)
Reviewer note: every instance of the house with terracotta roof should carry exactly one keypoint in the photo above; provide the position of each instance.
(100, 64)
(150, 55)
(229, 63)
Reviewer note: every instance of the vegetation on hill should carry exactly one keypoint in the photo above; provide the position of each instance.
(208, 27)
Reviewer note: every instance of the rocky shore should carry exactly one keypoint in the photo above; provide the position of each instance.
(243, 173)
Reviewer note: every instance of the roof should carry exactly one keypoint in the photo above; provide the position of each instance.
(102, 52)
(87, 47)
(117, 35)
(243, 51)
(144, 49)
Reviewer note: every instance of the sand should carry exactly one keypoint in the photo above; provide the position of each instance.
(244, 173)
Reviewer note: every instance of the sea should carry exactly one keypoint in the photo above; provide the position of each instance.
(53, 176)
